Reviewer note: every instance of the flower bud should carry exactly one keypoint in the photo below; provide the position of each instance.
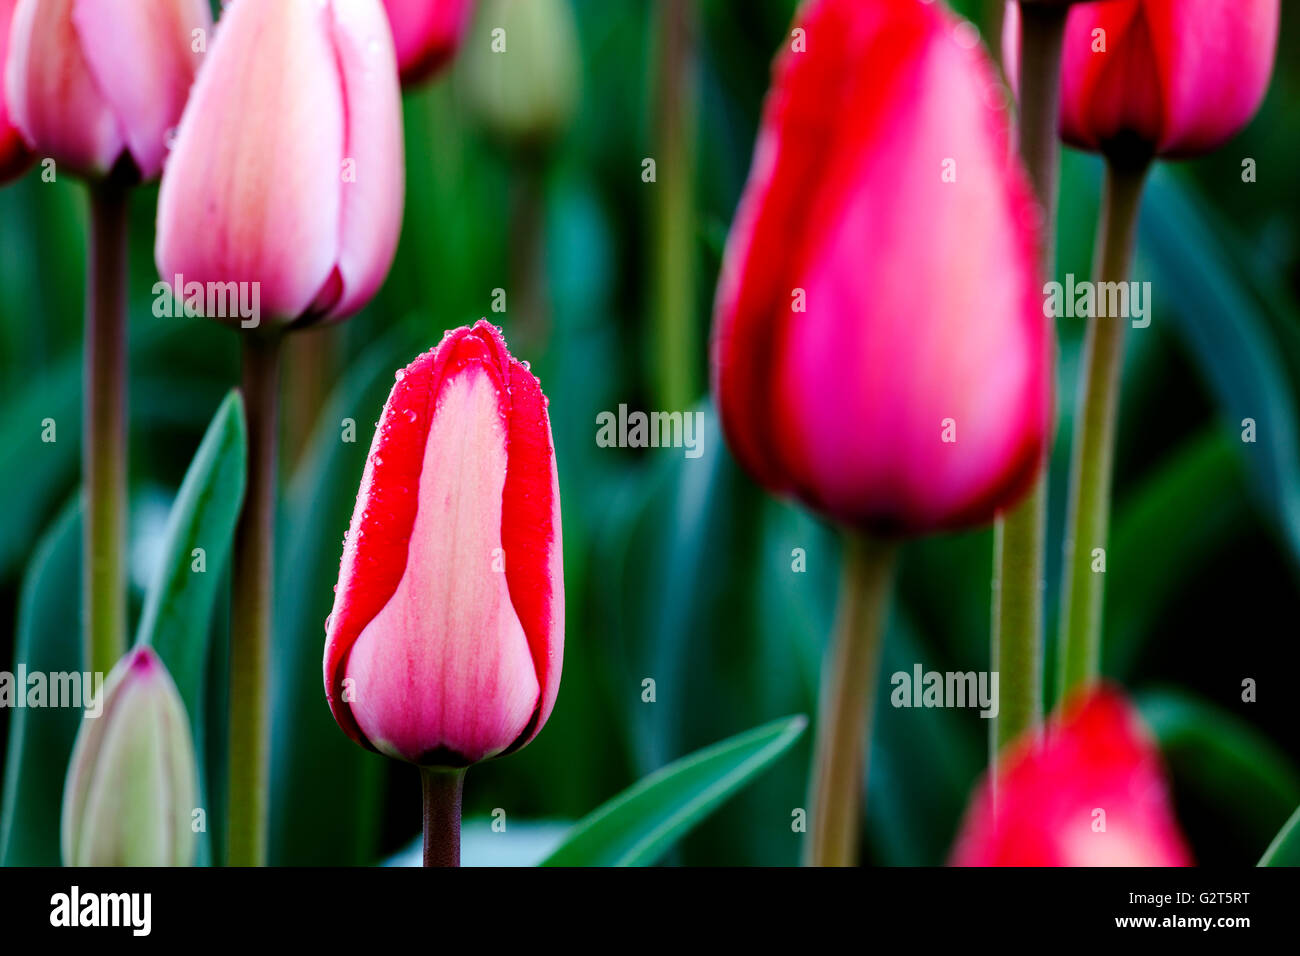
(426, 34)
(521, 69)
(1092, 793)
(447, 634)
(287, 173)
(880, 349)
(131, 784)
(89, 82)
(1172, 78)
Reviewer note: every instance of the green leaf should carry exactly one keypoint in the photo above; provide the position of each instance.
(178, 607)
(1155, 548)
(1229, 335)
(643, 822)
(40, 739)
(1251, 784)
(326, 792)
(177, 618)
(1285, 848)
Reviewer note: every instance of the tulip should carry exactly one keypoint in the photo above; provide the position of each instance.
(132, 781)
(426, 34)
(14, 155)
(1140, 80)
(879, 345)
(286, 180)
(287, 169)
(446, 638)
(95, 86)
(1092, 793)
(448, 618)
(90, 83)
(1170, 78)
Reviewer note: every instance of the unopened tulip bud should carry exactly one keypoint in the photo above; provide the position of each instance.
(1091, 793)
(880, 350)
(447, 634)
(287, 174)
(521, 69)
(1171, 78)
(90, 82)
(426, 34)
(130, 790)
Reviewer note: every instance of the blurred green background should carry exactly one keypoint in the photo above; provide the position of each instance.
(677, 569)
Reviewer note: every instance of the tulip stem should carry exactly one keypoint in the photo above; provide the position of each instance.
(104, 422)
(847, 700)
(673, 249)
(442, 794)
(1095, 422)
(1020, 535)
(250, 616)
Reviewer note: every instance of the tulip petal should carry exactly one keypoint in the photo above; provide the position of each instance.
(1215, 58)
(1097, 756)
(52, 94)
(426, 34)
(251, 191)
(374, 179)
(471, 645)
(450, 659)
(141, 55)
(882, 201)
(14, 155)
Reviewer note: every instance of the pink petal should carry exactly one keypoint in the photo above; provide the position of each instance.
(141, 56)
(371, 217)
(52, 95)
(251, 192)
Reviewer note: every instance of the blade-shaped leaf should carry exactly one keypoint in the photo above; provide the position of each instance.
(1285, 848)
(1248, 780)
(177, 617)
(40, 739)
(1230, 338)
(178, 608)
(640, 824)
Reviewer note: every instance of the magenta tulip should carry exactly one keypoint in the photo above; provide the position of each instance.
(880, 350)
(288, 167)
(1092, 793)
(14, 154)
(90, 82)
(1173, 78)
(445, 642)
(426, 34)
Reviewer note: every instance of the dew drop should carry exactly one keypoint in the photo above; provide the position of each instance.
(400, 374)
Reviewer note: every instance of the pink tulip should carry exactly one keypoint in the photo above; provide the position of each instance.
(14, 155)
(288, 168)
(447, 634)
(1091, 794)
(880, 349)
(89, 82)
(427, 34)
(1174, 78)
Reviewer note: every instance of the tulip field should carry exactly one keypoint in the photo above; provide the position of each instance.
(586, 433)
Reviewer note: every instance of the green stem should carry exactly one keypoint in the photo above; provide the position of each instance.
(442, 794)
(847, 700)
(1095, 422)
(250, 616)
(1020, 534)
(104, 423)
(676, 358)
